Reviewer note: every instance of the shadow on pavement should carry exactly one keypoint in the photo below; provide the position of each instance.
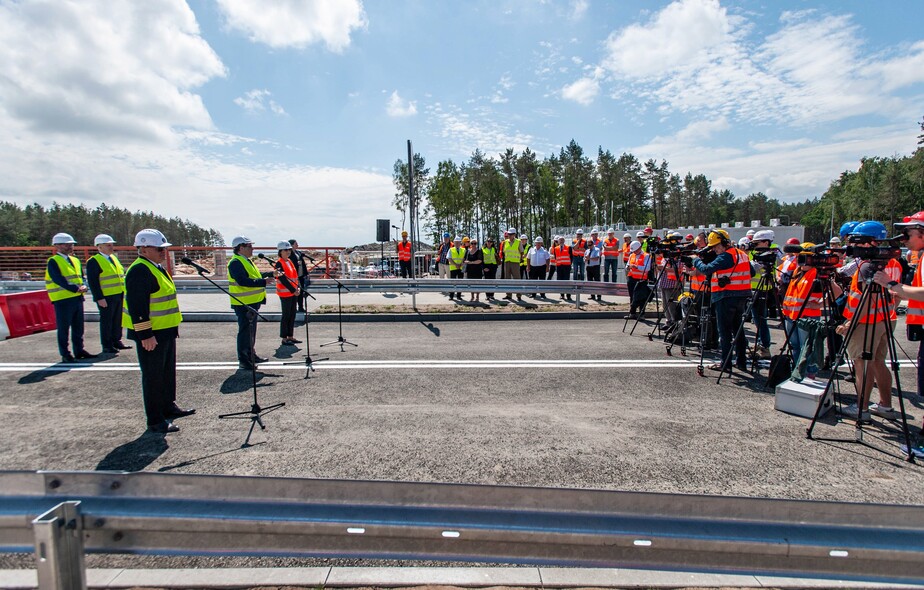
(285, 352)
(135, 455)
(241, 380)
(189, 462)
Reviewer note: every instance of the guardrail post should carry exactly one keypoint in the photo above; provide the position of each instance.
(577, 300)
(59, 548)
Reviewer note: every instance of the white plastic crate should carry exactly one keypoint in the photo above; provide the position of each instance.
(801, 399)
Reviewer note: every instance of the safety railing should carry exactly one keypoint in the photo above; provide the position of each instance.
(60, 516)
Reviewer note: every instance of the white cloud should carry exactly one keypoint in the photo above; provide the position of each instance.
(97, 68)
(399, 107)
(579, 9)
(464, 131)
(258, 100)
(296, 23)
(582, 91)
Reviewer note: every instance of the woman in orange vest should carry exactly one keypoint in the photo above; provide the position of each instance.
(404, 256)
(288, 291)
(637, 278)
(561, 255)
(803, 295)
(730, 290)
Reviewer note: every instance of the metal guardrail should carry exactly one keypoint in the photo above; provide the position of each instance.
(61, 515)
(411, 287)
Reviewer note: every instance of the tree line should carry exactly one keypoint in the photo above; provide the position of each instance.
(481, 196)
(34, 225)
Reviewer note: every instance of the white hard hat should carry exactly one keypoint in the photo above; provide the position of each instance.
(580, 231)
(627, 235)
(538, 240)
(743, 241)
(103, 239)
(238, 240)
(635, 245)
(836, 240)
(764, 234)
(63, 238)
(457, 239)
(595, 230)
(284, 245)
(512, 230)
(524, 237)
(751, 232)
(151, 237)
(640, 234)
(611, 231)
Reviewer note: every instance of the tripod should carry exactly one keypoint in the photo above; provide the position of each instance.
(340, 339)
(766, 280)
(256, 412)
(693, 310)
(308, 361)
(652, 293)
(875, 301)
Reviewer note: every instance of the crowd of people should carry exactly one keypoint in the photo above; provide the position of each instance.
(810, 287)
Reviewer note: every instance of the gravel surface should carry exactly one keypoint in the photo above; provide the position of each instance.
(651, 428)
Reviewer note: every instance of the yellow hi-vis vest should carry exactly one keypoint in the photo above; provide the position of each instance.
(72, 274)
(512, 251)
(490, 255)
(164, 309)
(456, 258)
(245, 295)
(111, 276)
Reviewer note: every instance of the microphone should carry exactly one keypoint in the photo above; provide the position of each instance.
(265, 257)
(201, 269)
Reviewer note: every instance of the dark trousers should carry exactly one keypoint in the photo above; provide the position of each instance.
(158, 379)
(110, 321)
(405, 268)
(630, 286)
(246, 333)
(593, 273)
(457, 274)
(302, 283)
(640, 295)
(759, 317)
(920, 368)
(69, 318)
(287, 322)
(537, 273)
(729, 313)
(610, 266)
(490, 272)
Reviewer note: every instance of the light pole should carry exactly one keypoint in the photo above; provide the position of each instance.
(396, 228)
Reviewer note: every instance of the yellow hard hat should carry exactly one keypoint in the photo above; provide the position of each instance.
(715, 238)
(807, 245)
(465, 239)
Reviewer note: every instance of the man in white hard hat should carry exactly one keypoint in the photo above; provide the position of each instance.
(299, 259)
(106, 279)
(152, 317)
(65, 287)
(512, 252)
(611, 252)
(762, 241)
(578, 247)
(538, 261)
(247, 287)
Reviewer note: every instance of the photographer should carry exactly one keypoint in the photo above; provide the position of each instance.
(670, 278)
(731, 289)
(805, 285)
(762, 248)
(913, 228)
(637, 278)
(871, 334)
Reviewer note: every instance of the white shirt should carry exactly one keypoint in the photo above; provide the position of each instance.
(538, 256)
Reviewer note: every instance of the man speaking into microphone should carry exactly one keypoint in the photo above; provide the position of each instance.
(247, 287)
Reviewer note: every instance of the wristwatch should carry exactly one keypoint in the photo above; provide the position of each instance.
(891, 284)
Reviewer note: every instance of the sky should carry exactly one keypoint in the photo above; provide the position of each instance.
(284, 119)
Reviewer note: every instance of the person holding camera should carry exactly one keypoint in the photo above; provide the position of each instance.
(870, 338)
(637, 278)
(760, 246)
(730, 290)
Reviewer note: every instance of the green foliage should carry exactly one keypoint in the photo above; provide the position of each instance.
(34, 225)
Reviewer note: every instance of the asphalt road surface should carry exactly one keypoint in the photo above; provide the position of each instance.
(541, 402)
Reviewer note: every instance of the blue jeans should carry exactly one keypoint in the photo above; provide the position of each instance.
(798, 339)
(246, 333)
(609, 269)
(759, 316)
(577, 266)
(729, 312)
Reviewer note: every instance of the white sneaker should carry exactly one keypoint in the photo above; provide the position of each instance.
(851, 412)
(884, 412)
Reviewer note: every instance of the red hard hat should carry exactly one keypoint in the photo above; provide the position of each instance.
(793, 241)
(916, 220)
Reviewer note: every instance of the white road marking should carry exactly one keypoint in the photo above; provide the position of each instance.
(669, 362)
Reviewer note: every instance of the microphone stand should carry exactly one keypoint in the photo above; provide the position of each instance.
(340, 339)
(308, 362)
(256, 412)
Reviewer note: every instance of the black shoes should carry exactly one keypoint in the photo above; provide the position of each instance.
(245, 365)
(164, 427)
(294, 341)
(260, 359)
(120, 346)
(110, 351)
(83, 354)
(178, 412)
(67, 358)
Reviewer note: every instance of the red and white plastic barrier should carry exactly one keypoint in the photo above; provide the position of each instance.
(26, 313)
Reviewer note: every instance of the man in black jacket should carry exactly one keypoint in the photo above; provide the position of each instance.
(301, 266)
(106, 279)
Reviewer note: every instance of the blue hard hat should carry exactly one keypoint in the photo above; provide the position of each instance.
(847, 228)
(870, 229)
(447, 235)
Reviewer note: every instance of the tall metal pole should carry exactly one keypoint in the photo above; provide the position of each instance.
(410, 200)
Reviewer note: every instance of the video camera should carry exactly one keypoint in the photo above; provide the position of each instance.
(706, 254)
(860, 247)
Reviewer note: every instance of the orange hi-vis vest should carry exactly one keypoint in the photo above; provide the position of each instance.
(787, 266)
(739, 275)
(798, 291)
(915, 314)
(626, 252)
(611, 248)
(404, 251)
(873, 316)
(562, 255)
(669, 271)
(697, 281)
(636, 268)
(914, 257)
(578, 247)
(288, 268)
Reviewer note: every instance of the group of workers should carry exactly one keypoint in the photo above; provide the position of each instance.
(143, 301)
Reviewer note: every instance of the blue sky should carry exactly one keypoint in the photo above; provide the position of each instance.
(283, 119)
